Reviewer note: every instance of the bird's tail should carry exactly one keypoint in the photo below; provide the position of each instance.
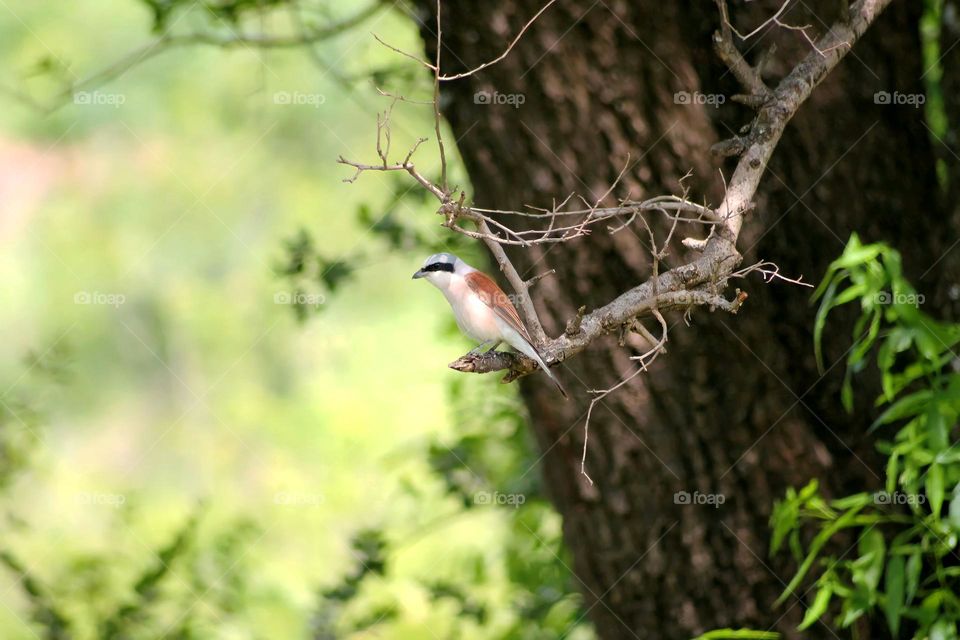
(547, 371)
(531, 351)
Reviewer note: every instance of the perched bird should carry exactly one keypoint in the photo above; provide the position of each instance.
(483, 311)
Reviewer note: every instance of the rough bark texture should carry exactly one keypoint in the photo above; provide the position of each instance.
(736, 407)
(947, 148)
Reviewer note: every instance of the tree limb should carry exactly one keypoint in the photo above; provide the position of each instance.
(683, 286)
(697, 283)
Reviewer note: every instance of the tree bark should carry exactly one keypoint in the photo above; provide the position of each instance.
(736, 408)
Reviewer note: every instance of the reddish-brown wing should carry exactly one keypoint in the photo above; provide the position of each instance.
(494, 297)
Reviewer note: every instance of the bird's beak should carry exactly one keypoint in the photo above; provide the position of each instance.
(418, 274)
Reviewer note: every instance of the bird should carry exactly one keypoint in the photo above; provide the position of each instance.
(483, 311)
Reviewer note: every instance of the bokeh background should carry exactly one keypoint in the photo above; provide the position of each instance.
(225, 410)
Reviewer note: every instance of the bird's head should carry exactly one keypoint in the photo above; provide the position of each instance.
(438, 269)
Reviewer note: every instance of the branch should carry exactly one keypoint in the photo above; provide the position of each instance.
(658, 347)
(677, 292)
(169, 41)
(723, 44)
(501, 56)
(696, 283)
(787, 98)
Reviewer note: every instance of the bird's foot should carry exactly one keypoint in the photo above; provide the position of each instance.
(493, 347)
(492, 344)
(477, 350)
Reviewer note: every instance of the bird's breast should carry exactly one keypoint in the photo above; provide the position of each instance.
(474, 317)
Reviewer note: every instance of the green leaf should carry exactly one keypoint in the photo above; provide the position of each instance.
(953, 517)
(818, 608)
(914, 565)
(936, 427)
(854, 607)
(856, 255)
(943, 630)
(897, 341)
(738, 634)
(855, 500)
(846, 520)
(892, 473)
(906, 407)
(821, 321)
(809, 490)
(894, 587)
(784, 520)
(862, 348)
(934, 488)
(868, 568)
(846, 391)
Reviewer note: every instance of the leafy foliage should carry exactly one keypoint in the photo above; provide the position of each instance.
(164, 12)
(495, 456)
(738, 634)
(21, 404)
(84, 600)
(368, 547)
(492, 456)
(312, 275)
(186, 588)
(904, 565)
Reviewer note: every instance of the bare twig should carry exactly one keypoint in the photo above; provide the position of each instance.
(436, 105)
(537, 278)
(696, 283)
(645, 360)
(727, 51)
(810, 41)
(762, 26)
(770, 272)
(502, 55)
(419, 61)
(169, 41)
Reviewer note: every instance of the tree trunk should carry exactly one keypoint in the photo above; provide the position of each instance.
(736, 407)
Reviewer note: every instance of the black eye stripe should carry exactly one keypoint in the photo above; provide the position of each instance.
(439, 266)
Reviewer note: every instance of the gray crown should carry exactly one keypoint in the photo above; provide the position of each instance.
(443, 258)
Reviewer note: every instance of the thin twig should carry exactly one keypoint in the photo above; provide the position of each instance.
(506, 51)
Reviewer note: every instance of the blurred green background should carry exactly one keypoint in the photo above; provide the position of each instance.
(184, 455)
